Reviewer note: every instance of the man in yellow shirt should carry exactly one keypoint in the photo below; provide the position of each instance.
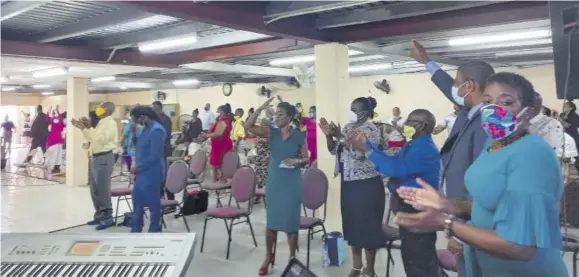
(103, 141)
(238, 131)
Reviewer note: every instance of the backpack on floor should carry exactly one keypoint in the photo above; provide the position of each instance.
(195, 202)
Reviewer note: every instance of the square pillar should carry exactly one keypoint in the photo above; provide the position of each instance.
(332, 83)
(76, 156)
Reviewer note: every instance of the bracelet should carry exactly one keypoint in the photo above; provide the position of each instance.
(448, 225)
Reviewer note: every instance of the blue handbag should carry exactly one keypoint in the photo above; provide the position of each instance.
(333, 249)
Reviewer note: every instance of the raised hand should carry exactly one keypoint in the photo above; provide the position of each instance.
(336, 130)
(266, 104)
(418, 53)
(325, 126)
(422, 198)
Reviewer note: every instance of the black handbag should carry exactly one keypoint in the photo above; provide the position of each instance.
(195, 202)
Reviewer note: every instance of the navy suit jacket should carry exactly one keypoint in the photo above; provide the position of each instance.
(463, 146)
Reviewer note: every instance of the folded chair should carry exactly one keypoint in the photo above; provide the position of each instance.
(315, 195)
(175, 183)
(228, 169)
(242, 190)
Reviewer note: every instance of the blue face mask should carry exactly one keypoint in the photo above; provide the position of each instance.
(194, 115)
(312, 114)
(457, 98)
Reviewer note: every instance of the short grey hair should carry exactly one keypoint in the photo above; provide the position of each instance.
(109, 106)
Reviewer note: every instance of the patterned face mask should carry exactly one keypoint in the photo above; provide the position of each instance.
(498, 122)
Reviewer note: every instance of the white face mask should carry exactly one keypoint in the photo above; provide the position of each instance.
(352, 117)
(457, 98)
(55, 121)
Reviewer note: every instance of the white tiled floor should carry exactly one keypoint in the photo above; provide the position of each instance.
(37, 205)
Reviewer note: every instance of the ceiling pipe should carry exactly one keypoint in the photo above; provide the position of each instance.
(283, 15)
(111, 55)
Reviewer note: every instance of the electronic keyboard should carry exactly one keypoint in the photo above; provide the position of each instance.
(96, 255)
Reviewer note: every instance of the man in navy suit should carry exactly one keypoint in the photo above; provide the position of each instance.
(467, 138)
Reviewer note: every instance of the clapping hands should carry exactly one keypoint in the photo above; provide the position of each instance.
(329, 129)
(81, 123)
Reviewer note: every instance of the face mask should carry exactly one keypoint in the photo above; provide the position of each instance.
(408, 132)
(457, 98)
(355, 117)
(352, 117)
(498, 122)
(237, 117)
(99, 111)
(194, 115)
(300, 109)
(312, 114)
(55, 121)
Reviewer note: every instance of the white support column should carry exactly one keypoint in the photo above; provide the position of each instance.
(76, 156)
(332, 83)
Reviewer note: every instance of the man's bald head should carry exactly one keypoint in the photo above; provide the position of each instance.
(425, 118)
(109, 107)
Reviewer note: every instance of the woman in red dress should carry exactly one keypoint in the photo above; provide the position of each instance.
(220, 139)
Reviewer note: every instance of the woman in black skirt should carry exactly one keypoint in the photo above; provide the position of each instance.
(362, 189)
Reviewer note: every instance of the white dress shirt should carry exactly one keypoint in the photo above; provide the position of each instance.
(397, 121)
(449, 121)
(207, 120)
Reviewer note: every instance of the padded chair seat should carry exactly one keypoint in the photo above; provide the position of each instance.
(116, 192)
(225, 213)
(308, 222)
(392, 233)
(167, 202)
(215, 186)
(447, 260)
(260, 192)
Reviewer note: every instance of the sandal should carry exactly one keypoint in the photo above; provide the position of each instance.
(356, 272)
(364, 274)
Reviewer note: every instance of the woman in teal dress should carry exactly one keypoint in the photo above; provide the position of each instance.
(515, 184)
(284, 189)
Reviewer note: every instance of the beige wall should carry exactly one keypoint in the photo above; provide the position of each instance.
(409, 91)
(11, 99)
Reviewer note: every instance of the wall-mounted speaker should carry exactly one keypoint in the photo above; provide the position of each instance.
(565, 34)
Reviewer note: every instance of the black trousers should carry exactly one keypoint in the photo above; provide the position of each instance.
(418, 249)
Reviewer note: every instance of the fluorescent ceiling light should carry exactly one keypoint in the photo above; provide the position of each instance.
(50, 72)
(514, 36)
(189, 82)
(40, 86)
(524, 52)
(370, 67)
(123, 88)
(47, 93)
(9, 89)
(4, 79)
(103, 79)
(135, 85)
(167, 44)
(303, 59)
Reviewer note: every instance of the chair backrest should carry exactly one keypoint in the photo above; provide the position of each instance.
(243, 184)
(198, 162)
(177, 176)
(230, 165)
(315, 188)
